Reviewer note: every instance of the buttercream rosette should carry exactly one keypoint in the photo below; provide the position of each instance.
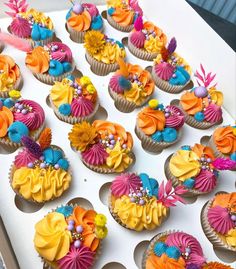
(146, 40)
(74, 99)
(202, 104)
(70, 237)
(105, 147)
(19, 117)
(122, 14)
(50, 63)
(82, 18)
(40, 171)
(159, 127)
(130, 87)
(137, 202)
(170, 71)
(102, 52)
(218, 218)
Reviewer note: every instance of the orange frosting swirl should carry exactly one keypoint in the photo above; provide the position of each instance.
(203, 150)
(38, 60)
(159, 33)
(80, 22)
(8, 65)
(226, 200)
(122, 16)
(164, 262)
(150, 120)
(225, 139)
(6, 119)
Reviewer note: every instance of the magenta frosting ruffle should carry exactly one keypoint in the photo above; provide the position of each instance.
(176, 118)
(81, 107)
(23, 158)
(213, 113)
(205, 181)
(114, 84)
(92, 9)
(164, 70)
(138, 39)
(96, 155)
(62, 54)
(20, 27)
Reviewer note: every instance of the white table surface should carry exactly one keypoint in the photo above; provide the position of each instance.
(120, 245)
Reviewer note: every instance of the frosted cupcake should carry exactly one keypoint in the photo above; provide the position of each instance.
(10, 76)
(159, 127)
(50, 63)
(146, 40)
(105, 147)
(137, 202)
(122, 14)
(202, 104)
(40, 172)
(102, 52)
(171, 72)
(30, 24)
(70, 237)
(218, 219)
(130, 87)
(82, 18)
(74, 99)
(18, 118)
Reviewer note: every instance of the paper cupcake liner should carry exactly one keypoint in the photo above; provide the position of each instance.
(71, 119)
(16, 86)
(210, 233)
(150, 145)
(1, 46)
(100, 68)
(119, 27)
(141, 53)
(166, 86)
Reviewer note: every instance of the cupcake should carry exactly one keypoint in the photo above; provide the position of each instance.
(146, 40)
(40, 171)
(30, 24)
(137, 202)
(74, 99)
(82, 18)
(10, 76)
(218, 219)
(50, 63)
(19, 117)
(130, 87)
(70, 237)
(122, 14)
(159, 127)
(171, 72)
(202, 104)
(102, 52)
(173, 249)
(105, 147)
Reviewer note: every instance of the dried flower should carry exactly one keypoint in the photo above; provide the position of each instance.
(94, 42)
(45, 138)
(32, 146)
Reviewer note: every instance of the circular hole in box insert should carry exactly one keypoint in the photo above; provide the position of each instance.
(48, 101)
(26, 206)
(104, 193)
(205, 139)
(138, 252)
(114, 265)
(101, 114)
(81, 202)
(225, 255)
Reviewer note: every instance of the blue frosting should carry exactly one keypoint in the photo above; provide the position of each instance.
(65, 109)
(8, 102)
(55, 68)
(40, 33)
(97, 23)
(181, 76)
(68, 14)
(173, 252)
(199, 116)
(52, 156)
(71, 77)
(186, 147)
(160, 107)
(119, 44)
(16, 130)
(65, 210)
(124, 83)
(150, 184)
(160, 248)
(63, 163)
(189, 183)
(66, 67)
(169, 135)
(233, 156)
(157, 136)
(111, 11)
(183, 72)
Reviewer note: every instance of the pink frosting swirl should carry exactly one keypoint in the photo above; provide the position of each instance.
(175, 118)
(182, 241)
(81, 107)
(23, 158)
(219, 219)
(96, 155)
(92, 9)
(125, 182)
(164, 70)
(205, 181)
(213, 113)
(62, 54)
(138, 39)
(114, 84)
(35, 116)
(79, 258)
(20, 27)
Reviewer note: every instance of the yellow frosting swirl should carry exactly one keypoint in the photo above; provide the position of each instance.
(40, 184)
(136, 94)
(216, 96)
(231, 237)
(184, 164)
(139, 217)
(6, 82)
(153, 44)
(52, 239)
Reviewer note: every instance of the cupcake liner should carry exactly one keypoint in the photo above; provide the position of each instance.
(1, 46)
(100, 68)
(71, 119)
(119, 27)
(141, 53)
(166, 86)
(124, 105)
(210, 233)
(16, 86)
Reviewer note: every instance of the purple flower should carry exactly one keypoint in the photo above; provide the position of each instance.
(172, 45)
(32, 146)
